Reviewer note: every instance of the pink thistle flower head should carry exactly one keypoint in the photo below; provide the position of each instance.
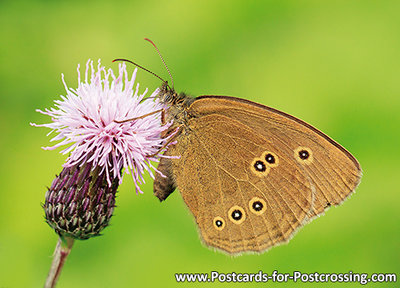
(84, 120)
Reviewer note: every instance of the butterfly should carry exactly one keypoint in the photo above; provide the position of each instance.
(250, 175)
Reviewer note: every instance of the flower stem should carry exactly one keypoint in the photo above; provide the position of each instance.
(61, 253)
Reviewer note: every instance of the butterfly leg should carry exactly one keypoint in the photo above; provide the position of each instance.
(163, 121)
(162, 110)
(172, 138)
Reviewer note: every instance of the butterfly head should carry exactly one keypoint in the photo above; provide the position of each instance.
(168, 96)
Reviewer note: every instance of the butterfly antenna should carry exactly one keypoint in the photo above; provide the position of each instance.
(162, 59)
(139, 66)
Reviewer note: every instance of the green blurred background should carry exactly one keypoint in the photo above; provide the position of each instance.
(333, 64)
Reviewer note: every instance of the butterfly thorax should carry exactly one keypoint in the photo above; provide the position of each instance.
(177, 104)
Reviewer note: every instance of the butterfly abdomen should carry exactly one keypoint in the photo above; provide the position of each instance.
(164, 186)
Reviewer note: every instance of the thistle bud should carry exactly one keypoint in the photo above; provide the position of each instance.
(80, 203)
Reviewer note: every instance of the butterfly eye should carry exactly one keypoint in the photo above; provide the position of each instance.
(236, 214)
(219, 223)
(271, 159)
(257, 206)
(303, 155)
(259, 167)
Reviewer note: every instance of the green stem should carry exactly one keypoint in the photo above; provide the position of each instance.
(61, 253)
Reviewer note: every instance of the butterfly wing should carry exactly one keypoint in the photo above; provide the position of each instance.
(332, 170)
(240, 177)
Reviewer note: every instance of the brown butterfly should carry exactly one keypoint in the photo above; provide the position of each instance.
(251, 175)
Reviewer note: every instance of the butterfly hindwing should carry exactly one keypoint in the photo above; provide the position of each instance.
(217, 178)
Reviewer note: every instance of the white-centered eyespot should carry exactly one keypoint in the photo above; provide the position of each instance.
(219, 223)
(303, 155)
(259, 167)
(257, 206)
(270, 158)
(237, 214)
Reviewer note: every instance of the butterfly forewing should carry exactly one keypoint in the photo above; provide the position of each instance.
(334, 172)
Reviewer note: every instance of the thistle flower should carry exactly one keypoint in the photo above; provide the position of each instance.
(84, 120)
(81, 200)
